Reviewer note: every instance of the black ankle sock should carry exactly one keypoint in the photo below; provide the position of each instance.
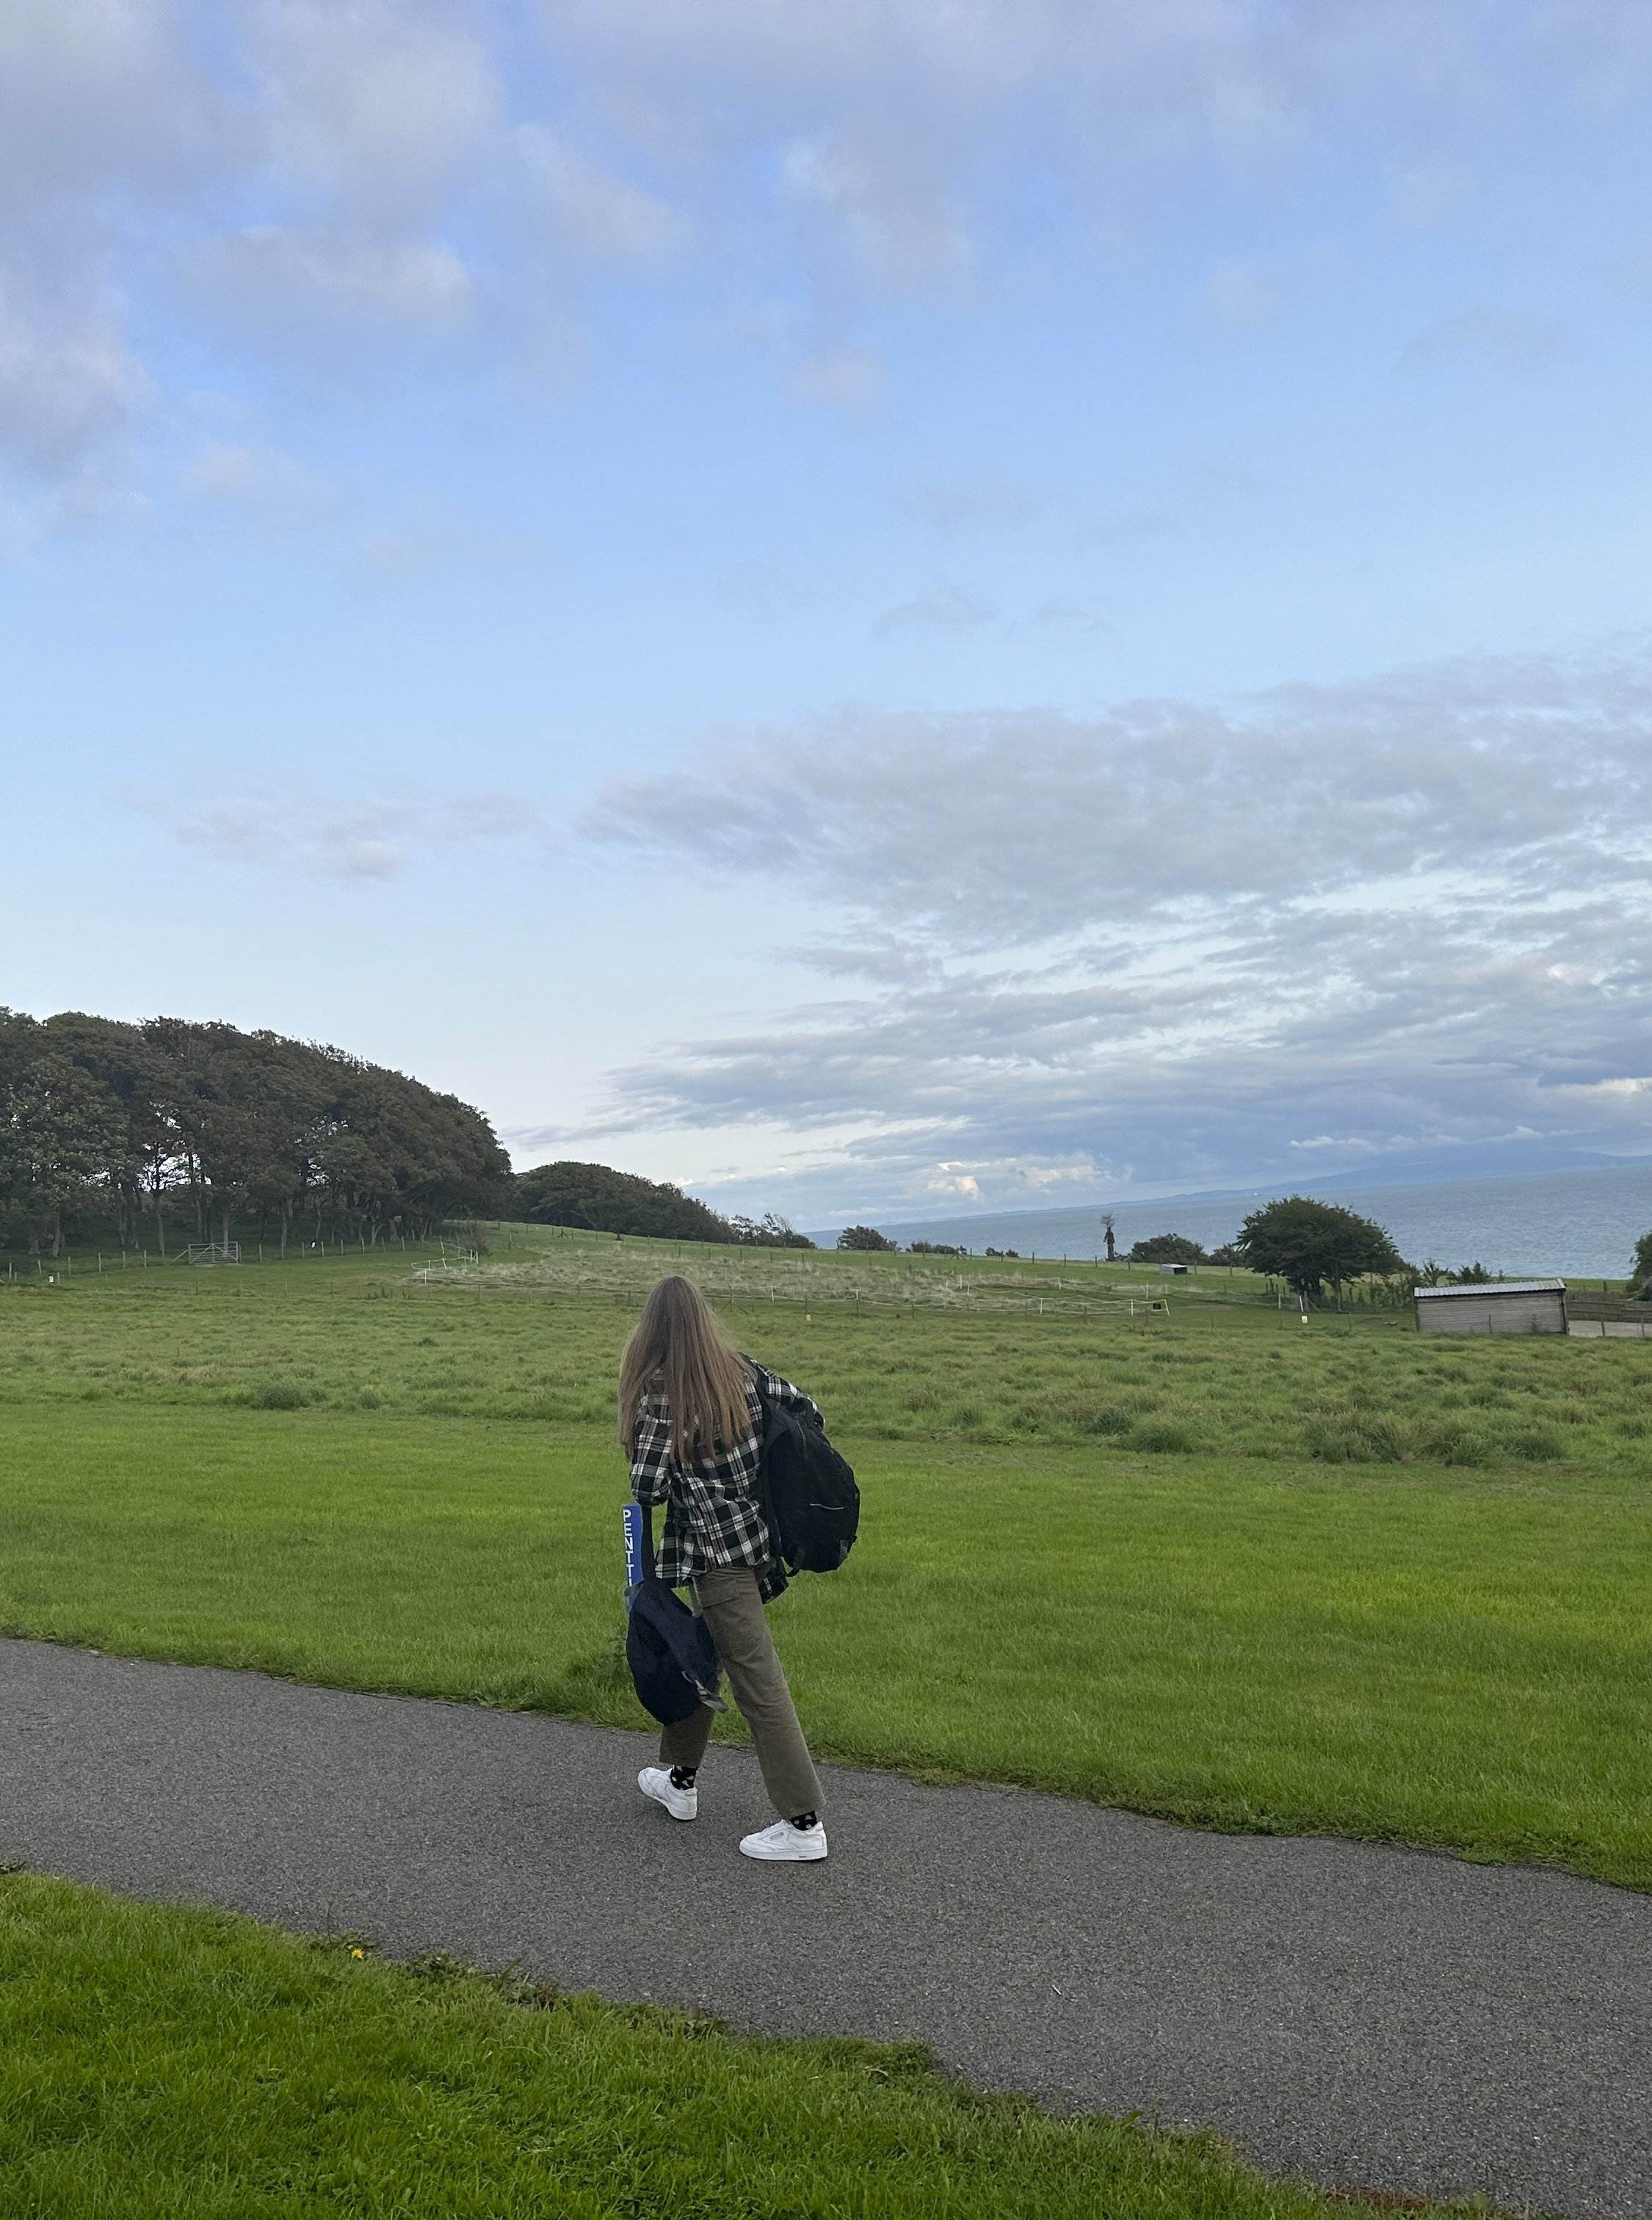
(683, 1775)
(806, 1819)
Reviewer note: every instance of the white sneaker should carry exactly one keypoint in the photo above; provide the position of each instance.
(786, 1842)
(656, 1782)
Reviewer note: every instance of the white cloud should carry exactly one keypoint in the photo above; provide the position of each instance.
(1079, 618)
(767, 587)
(1237, 296)
(596, 214)
(848, 377)
(268, 276)
(376, 103)
(969, 505)
(367, 840)
(1430, 191)
(1482, 333)
(69, 385)
(1189, 939)
(943, 608)
(269, 487)
(96, 95)
(434, 542)
(378, 171)
(950, 1181)
(865, 208)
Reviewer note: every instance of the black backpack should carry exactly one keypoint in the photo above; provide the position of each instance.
(807, 1489)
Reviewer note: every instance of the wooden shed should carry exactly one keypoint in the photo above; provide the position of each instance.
(1494, 1307)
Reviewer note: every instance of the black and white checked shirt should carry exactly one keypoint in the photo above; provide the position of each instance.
(712, 1514)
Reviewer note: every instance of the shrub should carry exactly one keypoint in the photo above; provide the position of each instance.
(1165, 1437)
(1167, 1249)
(1109, 1419)
(864, 1237)
(1451, 1443)
(275, 1395)
(1344, 1435)
(1533, 1445)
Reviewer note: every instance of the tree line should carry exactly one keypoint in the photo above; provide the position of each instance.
(170, 1131)
(1295, 1238)
(596, 1199)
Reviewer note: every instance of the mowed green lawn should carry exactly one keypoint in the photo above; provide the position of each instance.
(163, 2064)
(1446, 1655)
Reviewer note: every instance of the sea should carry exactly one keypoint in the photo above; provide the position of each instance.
(1580, 1224)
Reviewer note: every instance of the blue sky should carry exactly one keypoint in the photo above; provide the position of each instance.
(892, 607)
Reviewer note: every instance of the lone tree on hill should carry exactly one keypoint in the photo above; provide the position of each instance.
(864, 1237)
(771, 1230)
(1167, 1249)
(1306, 1243)
(1640, 1279)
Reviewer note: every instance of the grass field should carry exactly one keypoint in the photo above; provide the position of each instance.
(1210, 1564)
(160, 2064)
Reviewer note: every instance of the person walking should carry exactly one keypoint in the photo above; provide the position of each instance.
(691, 1424)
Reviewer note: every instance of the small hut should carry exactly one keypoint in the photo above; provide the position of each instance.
(1493, 1307)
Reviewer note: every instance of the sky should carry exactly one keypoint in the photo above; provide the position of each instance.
(896, 608)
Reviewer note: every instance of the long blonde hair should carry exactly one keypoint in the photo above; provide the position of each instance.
(679, 1350)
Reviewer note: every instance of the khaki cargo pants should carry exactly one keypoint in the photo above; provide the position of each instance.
(728, 1600)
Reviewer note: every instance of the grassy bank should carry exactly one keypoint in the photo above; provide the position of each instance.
(1438, 1655)
(160, 2064)
(535, 1337)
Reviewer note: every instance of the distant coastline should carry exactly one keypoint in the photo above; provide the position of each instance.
(1583, 1219)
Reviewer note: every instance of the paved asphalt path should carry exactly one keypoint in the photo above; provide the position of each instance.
(1370, 2018)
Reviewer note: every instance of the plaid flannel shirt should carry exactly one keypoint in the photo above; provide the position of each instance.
(712, 1514)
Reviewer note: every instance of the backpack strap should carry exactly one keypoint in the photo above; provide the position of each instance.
(771, 1422)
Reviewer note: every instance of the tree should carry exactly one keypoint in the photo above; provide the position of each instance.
(1306, 1243)
(1640, 1279)
(771, 1230)
(1107, 1234)
(101, 1123)
(66, 1131)
(864, 1237)
(1167, 1249)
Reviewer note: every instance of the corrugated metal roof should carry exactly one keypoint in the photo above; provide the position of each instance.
(1496, 1287)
